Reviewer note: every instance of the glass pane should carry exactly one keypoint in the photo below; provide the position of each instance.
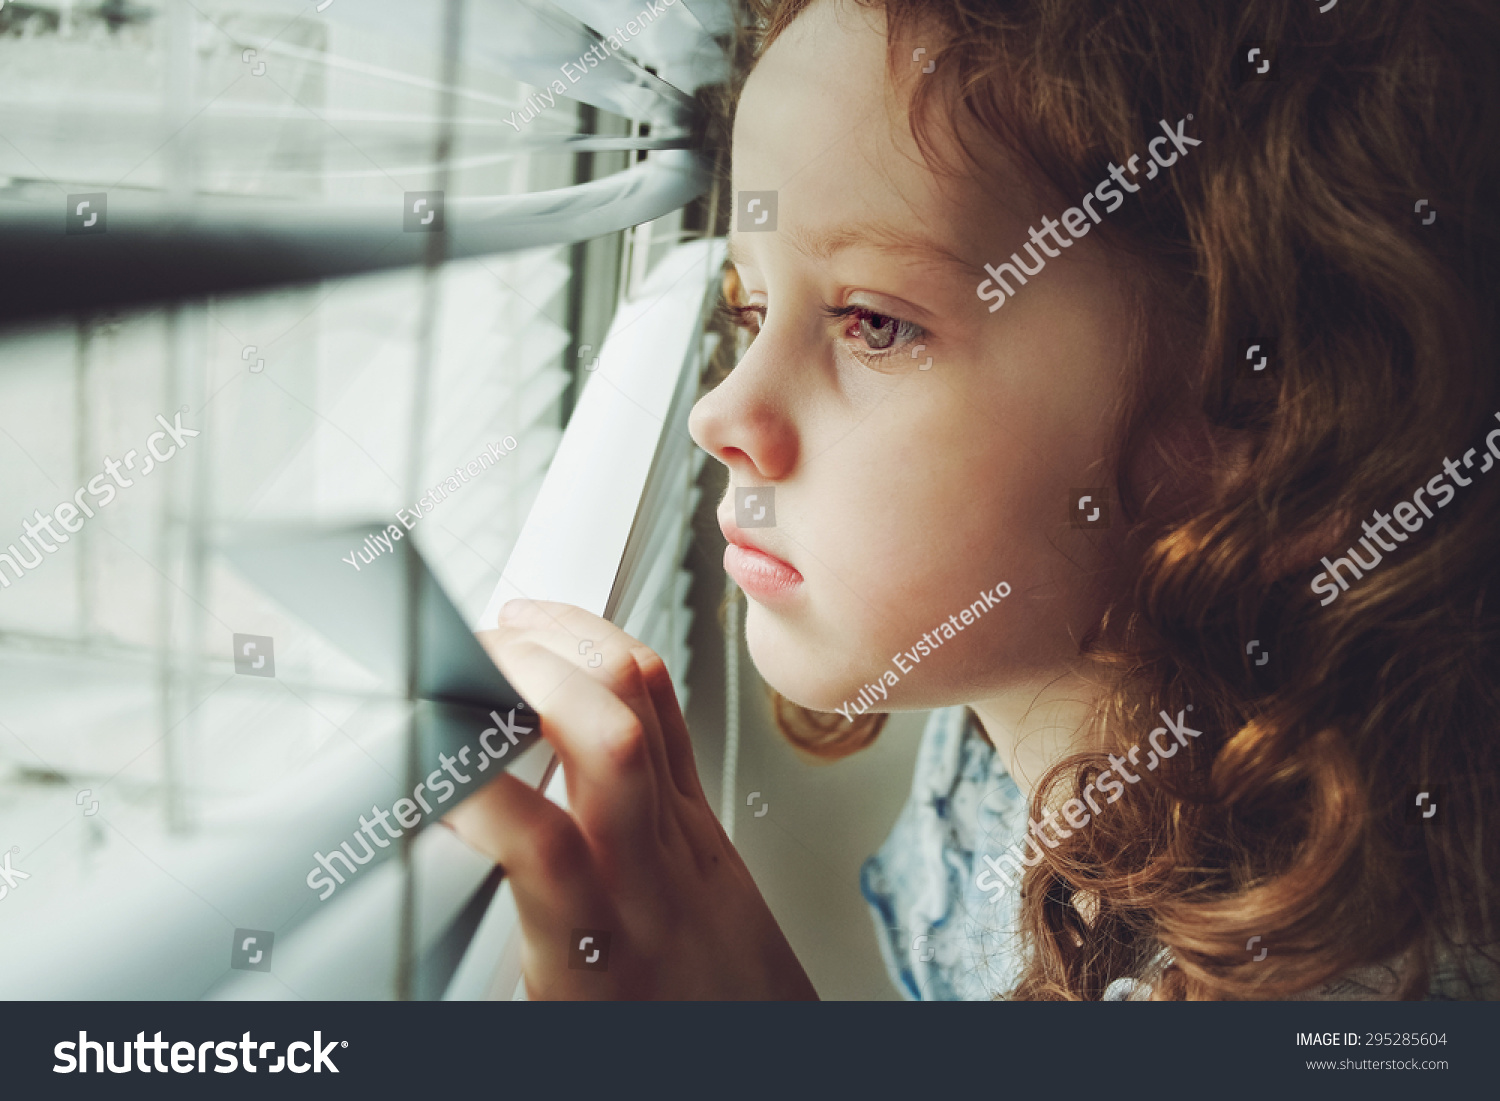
(153, 698)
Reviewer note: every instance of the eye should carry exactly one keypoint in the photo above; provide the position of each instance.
(878, 330)
(749, 318)
(881, 333)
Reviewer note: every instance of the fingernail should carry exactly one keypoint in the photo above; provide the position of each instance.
(512, 608)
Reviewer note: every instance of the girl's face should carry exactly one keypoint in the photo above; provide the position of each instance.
(902, 491)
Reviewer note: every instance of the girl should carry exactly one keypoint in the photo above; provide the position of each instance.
(1145, 319)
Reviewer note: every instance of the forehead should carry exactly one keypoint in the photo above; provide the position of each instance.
(824, 125)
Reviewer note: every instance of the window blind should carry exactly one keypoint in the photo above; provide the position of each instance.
(159, 798)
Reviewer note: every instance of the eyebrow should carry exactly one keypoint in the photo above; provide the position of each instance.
(825, 244)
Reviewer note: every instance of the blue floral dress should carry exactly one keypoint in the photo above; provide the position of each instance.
(948, 929)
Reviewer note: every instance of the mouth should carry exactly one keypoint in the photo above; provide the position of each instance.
(762, 575)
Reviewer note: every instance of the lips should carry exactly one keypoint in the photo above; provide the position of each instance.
(762, 575)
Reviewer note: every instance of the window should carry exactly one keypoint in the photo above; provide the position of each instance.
(270, 265)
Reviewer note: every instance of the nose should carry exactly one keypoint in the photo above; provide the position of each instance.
(747, 422)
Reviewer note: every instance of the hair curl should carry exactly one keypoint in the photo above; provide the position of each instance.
(1294, 224)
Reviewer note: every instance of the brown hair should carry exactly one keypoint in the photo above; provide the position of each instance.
(1293, 227)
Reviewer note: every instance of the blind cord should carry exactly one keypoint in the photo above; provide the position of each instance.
(727, 797)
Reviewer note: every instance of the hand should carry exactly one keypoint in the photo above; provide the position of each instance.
(638, 853)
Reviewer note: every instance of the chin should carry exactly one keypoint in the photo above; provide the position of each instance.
(789, 666)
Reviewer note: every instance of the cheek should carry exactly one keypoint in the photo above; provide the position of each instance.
(909, 529)
(933, 497)
(895, 543)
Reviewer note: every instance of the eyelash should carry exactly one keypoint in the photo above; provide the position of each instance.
(750, 318)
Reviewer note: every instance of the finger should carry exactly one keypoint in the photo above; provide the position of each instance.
(614, 658)
(517, 616)
(596, 646)
(672, 744)
(552, 872)
(617, 670)
(677, 742)
(602, 744)
(639, 677)
(526, 833)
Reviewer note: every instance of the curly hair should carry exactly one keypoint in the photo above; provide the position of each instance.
(1294, 228)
